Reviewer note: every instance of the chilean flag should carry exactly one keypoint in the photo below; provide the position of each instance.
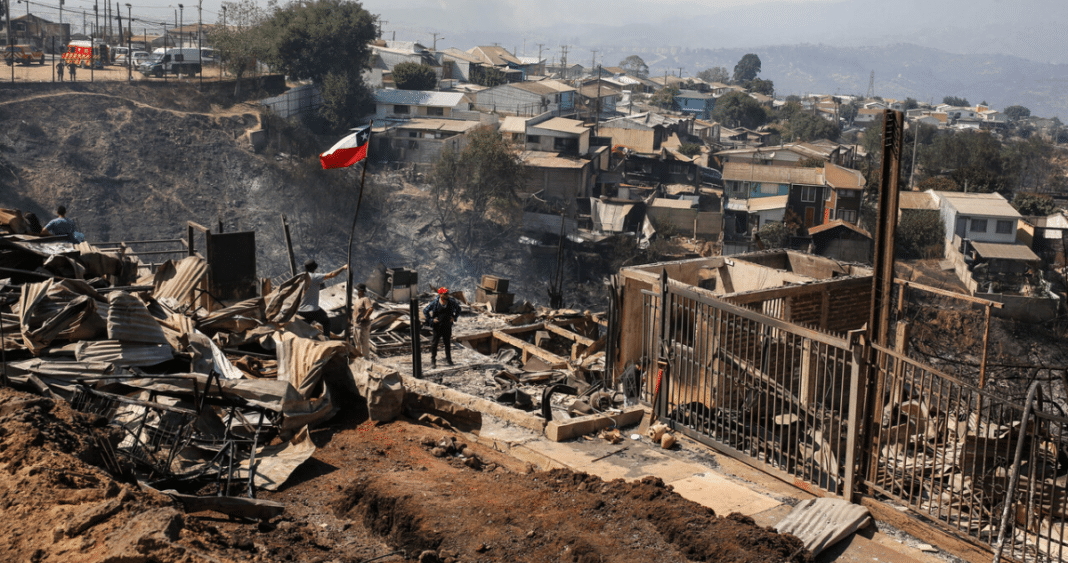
(347, 151)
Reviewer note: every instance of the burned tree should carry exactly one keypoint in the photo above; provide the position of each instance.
(475, 185)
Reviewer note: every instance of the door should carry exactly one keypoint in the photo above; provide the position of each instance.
(810, 216)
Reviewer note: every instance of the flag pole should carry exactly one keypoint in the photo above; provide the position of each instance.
(352, 232)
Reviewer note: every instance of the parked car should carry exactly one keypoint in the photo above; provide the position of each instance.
(121, 55)
(24, 54)
(172, 61)
(140, 58)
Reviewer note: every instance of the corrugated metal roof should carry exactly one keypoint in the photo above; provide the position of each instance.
(841, 177)
(563, 125)
(130, 321)
(823, 522)
(494, 55)
(992, 204)
(121, 353)
(746, 172)
(447, 125)
(455, 53)
(608, 217)
(539, 88)
(767, 203)
(837, 223)
(418, 98)
(672, 203)
(551, 160)
(995, 251)
(916, 200)
(513, 124)
(179, 286)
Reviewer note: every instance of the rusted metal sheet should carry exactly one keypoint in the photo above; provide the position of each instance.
(49, 310)
(64, 369)
(236, 318)
(823, 522)
(283, 302)
(301, 361)
(176, 281)
(122, 353)
(130, 321)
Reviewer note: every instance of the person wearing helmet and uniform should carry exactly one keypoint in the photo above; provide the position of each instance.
(441, 313)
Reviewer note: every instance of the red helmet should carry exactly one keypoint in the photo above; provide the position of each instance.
(442, 291)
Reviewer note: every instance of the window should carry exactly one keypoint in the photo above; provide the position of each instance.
(435, 111)
(535, 139)
(1004, 227)
(847, 216)
(769, 189)
(978, 225)
(565, 145)
(400, 109)
(809, 193)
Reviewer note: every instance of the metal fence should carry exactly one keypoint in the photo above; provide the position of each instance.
(302, 100)
(814, 409)
(750, 385)
(948, 450)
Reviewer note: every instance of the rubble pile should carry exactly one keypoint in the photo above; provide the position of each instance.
(205, 396)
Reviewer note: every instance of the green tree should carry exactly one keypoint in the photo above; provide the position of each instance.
(955, 101)
(1016, 113)
(938, 184)
(1034, 205)
(911, 103)
(665, 98)
(474, 185)
(690, 149)
(774, 234)
(324, 41)
(240, 42)
(761, 86)
(921, 234)
(636, 65)
(487, 76)
(414, 76)
(811, 162)
(807, 127)
(738, 109)
(848, 112)
(746, 69)
(715, 74)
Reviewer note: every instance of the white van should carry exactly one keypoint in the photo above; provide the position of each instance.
(172, 61)
(120, 55)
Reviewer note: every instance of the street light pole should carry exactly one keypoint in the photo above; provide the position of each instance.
(129, 42)
(181, 25)
(200, 39)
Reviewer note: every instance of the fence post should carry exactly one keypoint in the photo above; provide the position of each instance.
(857, 386)
(661, 363)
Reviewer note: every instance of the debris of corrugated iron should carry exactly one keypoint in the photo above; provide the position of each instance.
(282, 303)
(238, 317)
(301, 361)
(130, 321)
(823, 522)
(48, 310)
(123, 353)
(175, 282)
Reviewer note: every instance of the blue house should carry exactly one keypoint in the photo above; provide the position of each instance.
(692, 101)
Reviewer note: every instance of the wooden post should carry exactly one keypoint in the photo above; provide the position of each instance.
(808, 377)
(289, 246)
(886, 229)
(857, 386)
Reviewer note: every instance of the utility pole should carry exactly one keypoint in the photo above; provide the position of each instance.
(593, 63)
(563, 60)
(92, 42)
(435, 48)
(7, 10)
(200, 53)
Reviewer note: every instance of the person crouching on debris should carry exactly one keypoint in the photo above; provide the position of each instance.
(61, 226)
(309, 307)
(363, 308)
(441, 313)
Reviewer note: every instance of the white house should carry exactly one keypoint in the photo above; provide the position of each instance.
(978, 217)
(406, 104)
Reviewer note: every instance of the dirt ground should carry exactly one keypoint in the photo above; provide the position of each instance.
(370, 491)
(47, 73)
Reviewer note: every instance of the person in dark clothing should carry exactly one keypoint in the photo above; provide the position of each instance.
(441, 313)
(70, 68)
(59, 69)
(34, 223)
(61, 226)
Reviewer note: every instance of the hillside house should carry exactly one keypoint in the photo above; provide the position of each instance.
(845, 193)
(561, 179)
(696, 103)
(502, 60)
(419, 140)
(527, 98)
(645, 132)
(977, 217)
(598, 98)
(843, 241)
(406, 104)
(37, 31)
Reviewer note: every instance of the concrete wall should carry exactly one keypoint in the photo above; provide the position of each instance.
(1027, 309)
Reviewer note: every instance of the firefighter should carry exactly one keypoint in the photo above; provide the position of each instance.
(59, 69)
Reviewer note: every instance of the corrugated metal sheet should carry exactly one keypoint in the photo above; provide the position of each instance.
(607, 217)
(301, 361)
(992, 204)
(746, 172)
(130, 321)
(66, 369)
(122, 354)
(823, 522)
(179, 286)
(994, 251)
(419, 98)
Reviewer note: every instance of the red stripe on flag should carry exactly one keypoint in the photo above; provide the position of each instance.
(343, 158)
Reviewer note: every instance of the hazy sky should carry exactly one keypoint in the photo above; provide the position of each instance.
(1032, 29)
